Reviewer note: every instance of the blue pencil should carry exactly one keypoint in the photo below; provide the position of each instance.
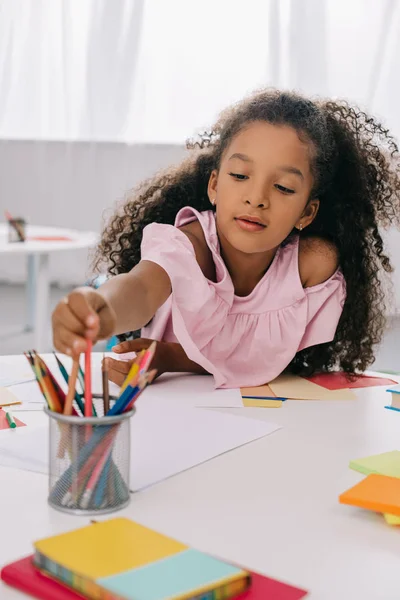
(264, 398)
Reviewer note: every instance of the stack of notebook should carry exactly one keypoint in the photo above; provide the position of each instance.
(119, 559)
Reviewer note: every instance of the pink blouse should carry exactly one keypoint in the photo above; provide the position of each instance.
(241, 341)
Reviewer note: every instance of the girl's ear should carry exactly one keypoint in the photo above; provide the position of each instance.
(212, 187)
(309, 214)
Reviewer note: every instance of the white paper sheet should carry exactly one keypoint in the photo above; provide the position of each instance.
(12, 375)
(178, 389)
(165, 441)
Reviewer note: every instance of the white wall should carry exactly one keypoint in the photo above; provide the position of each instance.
(71, 184)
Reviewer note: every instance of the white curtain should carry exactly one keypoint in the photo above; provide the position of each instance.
(157, 70)
(83, 82)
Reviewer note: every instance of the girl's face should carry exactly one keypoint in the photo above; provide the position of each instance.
(262, 188)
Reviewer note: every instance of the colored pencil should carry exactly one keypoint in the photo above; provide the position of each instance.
(134, 370)
(49, 391)
(10, 420)
(264, 398)
(148, 357)
(60, 394)
(35, 372)
(64, 373)
(81, 377)
(88, 379)
(106, 390)
(71, 388)
(96, 474)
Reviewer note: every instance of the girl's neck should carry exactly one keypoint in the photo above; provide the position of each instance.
(246, 270)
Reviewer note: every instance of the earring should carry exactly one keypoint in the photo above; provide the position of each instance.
(213, 201)
(300, 226)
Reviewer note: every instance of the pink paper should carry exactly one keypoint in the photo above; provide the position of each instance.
(4, 423)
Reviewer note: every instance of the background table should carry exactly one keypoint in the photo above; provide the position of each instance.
(271, 505)
(38, 280)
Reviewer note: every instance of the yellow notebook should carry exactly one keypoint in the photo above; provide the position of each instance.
(123, 560)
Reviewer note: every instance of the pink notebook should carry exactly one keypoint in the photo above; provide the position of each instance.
(22, 575)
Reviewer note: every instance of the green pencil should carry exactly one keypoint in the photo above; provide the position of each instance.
(64, 373)
(11, 420)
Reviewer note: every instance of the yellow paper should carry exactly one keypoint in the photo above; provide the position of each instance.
(256, 403)
(297, 388)
(260, 391)
(109, 547)
(391, 519)
(7, 398)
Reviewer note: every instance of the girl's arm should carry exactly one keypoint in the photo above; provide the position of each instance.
(126, 302)
(136, 296)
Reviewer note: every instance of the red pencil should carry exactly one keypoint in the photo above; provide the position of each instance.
(88, 379)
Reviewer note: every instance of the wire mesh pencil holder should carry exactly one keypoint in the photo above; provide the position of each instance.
(89, 461)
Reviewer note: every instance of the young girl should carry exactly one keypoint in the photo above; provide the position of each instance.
(260, 252)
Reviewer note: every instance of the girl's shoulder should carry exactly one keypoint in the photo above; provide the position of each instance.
(318, 260)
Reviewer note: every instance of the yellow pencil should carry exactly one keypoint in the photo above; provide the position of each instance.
(134, 370)
(49, 391)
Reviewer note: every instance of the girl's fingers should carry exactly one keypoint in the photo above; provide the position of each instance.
(121, 366)
(64, 316)
(69, 343)
(116, 376)
(81, 309)
(132, 346)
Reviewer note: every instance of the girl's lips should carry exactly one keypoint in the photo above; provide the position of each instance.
(250, 226)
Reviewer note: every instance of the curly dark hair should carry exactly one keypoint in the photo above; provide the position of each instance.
(356, 174)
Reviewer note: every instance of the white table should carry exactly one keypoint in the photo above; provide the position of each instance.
(271, 505)
(38, 281)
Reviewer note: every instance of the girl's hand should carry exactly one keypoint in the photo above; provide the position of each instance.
(169, 357)
(119, 369)
(84, 314)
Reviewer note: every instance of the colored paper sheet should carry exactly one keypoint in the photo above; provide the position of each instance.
(4, 423)
(260, 403)
(261, 391)
(298, 388)
(391, 519)
(387, 463)
(376, 492)
(263, 588)
(339, 381)
(7, 398)
(23, 575)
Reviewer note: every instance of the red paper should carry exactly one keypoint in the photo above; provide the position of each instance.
(49, 238)
(338, 381)
(265, 588)
(22, 575)
(4, 423)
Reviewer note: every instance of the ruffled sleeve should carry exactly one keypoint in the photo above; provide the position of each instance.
(325, 306)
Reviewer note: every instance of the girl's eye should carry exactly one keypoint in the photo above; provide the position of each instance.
(238, 176)
(284, 190)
